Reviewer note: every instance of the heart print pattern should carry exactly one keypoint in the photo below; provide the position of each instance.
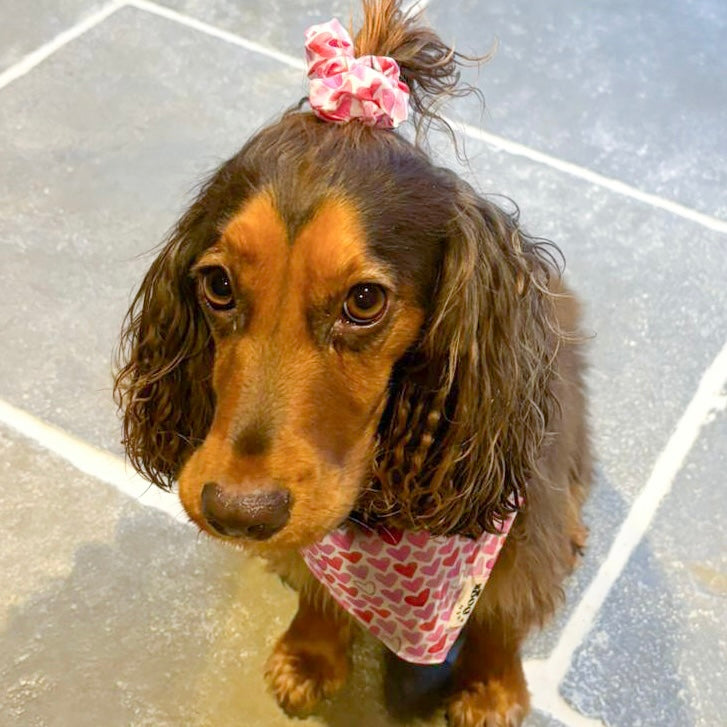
(412, 591)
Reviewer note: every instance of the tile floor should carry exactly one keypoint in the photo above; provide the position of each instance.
(604, 122)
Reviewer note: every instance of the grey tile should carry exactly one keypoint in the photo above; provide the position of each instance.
(26, 26)
(279, 24)
(93, 173)
(657, 652)
(540, 719)
(637, 91)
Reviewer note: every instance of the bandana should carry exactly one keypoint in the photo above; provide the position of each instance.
(412, 591)
(343, 87)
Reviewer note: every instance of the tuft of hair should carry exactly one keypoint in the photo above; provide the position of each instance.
(428, 65)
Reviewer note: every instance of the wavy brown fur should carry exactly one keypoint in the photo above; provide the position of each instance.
(482, 413)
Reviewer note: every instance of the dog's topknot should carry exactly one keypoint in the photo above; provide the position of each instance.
(428, 65)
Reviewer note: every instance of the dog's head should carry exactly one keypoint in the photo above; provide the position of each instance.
(337, 325)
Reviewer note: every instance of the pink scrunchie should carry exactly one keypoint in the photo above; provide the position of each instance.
(343, 87)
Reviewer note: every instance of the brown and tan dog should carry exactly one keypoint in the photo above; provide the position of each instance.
(338, 328)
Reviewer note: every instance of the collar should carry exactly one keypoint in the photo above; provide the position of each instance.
(412, 591)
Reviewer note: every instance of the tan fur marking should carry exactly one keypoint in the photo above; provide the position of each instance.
(310, 661)
(273, 372)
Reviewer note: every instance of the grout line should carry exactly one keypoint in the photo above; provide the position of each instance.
(545, 674)
(474, 132)
(575, 170)
(546, 697)
(92, 461)
(218, 33)
(30, 61)
(707, 399)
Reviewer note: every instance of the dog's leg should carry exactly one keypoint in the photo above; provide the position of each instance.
(491, 687)
(310, 661)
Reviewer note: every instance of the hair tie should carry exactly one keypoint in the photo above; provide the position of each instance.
(343, 87)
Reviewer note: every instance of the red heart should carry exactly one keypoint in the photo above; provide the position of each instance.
(394, 596)
(383, 612)
(419, 539)
(372, 544)
(342, 538)
(403, 610)
(379, 563)
(400, 553)
(452, 558)
(450, 543)
(424, 613)
(419, 600)
(389, 626)
(473, 557)
(438, 646)
(364, 615)
(352, 557)
(388, 579)
(413, 586)
(392, 537)
(406, 570)
(353, 592)
(429, 625)
(432, 568)
(335, 563)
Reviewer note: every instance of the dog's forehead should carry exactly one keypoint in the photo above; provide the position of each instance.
(330, 245)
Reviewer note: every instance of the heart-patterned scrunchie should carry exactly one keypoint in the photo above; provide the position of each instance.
(343, 87)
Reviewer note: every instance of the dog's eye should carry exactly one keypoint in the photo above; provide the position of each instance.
(365, 304)
(217, 289)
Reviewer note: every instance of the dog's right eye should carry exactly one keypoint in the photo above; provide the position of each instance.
(217, 289)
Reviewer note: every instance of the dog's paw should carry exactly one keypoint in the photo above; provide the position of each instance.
(487, 705)
(300, 675)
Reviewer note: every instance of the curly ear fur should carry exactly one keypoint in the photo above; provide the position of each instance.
(470, 407)
(163, 385)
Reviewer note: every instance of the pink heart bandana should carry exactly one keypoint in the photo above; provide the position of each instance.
(414, 592)
(343, 87)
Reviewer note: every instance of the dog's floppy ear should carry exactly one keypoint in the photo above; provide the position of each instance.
(470, 405)
(163, 384)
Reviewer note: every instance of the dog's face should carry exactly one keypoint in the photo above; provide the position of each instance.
(306, 333)
(336, 324)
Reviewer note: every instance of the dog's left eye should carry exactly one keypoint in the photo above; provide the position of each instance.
(365, 304)
(217, 289)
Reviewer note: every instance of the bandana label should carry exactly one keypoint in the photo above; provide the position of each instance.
(414, 592)
(466, 602)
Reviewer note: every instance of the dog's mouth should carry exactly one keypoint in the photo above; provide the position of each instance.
(265, 521)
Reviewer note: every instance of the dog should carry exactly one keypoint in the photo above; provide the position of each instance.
(339, 333)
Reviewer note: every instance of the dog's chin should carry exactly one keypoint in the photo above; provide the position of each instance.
(293, 536)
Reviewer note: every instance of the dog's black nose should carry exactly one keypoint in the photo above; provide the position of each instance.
(257, 515)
